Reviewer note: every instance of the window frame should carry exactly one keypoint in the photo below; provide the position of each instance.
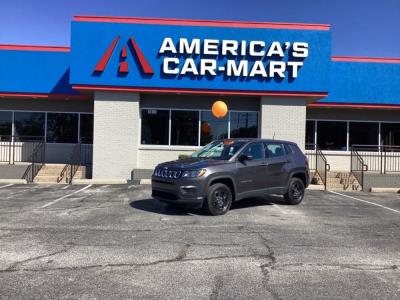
(183, 147)
(316, 120)
(45, 120)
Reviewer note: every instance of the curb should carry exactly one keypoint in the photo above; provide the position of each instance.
(99, 181)
(145, 181)
(316, 187)
(13, 181)
(385, 190)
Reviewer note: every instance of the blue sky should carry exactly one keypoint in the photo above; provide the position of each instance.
(359, 27)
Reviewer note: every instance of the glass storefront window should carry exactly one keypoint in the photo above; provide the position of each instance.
(62, 128)
(86, 128)
(5, 125)
(29, 125)
(243, 125)
(212, 128)
(155, 127)
(310, 135)
(390, 134)
(184, 128)
(363, 133)
(332, 135)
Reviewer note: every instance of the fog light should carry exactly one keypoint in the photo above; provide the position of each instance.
(188, 190)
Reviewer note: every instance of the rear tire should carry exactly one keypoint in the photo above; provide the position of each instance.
(219, 199)
(295, 193)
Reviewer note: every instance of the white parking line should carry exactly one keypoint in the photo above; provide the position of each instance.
(66, 196)
(279, 208)
(365, 201)
(65, 187)
(7, 185)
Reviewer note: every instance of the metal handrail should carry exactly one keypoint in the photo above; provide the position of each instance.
(37, 160)
(357, 166)
(72, 165)
(317, 161)
(321, 165)
(379, 158)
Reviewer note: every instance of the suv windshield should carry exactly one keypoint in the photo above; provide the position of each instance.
(223, 150)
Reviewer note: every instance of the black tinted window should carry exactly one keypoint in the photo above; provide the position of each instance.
(62, 128)
(86, 128)
(29, 125)
(331, 135)
(255, 151)
(155, 126)
(5, 125)
(244, 125)
(185, 127)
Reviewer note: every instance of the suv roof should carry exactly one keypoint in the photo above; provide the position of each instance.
(256, 139)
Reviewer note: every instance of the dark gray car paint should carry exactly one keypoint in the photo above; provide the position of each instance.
(252, 178)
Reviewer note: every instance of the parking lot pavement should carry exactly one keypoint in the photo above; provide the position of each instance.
(116, 242)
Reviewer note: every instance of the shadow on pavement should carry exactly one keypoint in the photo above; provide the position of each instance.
(154, 206)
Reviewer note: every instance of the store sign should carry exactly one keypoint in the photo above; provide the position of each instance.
(207, 58)
(268, 58)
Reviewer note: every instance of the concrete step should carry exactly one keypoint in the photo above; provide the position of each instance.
(344, 187)
(51, 174)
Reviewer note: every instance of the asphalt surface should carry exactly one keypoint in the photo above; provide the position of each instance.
(115, 242)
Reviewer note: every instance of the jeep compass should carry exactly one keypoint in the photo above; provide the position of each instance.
(230, 170)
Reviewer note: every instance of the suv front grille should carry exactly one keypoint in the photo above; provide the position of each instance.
(167, 173)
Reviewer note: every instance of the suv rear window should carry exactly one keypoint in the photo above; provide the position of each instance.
(295, 148)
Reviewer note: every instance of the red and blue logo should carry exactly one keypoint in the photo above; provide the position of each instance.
(123, 63)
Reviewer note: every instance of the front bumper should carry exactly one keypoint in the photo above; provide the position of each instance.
(187, 192)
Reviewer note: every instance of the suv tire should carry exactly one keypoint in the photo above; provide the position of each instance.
(295, 193)
(219, 199)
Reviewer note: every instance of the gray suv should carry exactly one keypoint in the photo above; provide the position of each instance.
(230, 170)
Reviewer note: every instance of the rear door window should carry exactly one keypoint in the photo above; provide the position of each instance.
(255, 151)
(275, 150)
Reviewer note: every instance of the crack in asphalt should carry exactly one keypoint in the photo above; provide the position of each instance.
(360, 267)
(267, 268)
(13, 266)
(177, 259)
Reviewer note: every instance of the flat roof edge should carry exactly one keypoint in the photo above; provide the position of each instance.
(196, 22)
(198, 91)
(35, 48)
(365, 59)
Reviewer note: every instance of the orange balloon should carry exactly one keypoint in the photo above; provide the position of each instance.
(206, 128)
(219, 109)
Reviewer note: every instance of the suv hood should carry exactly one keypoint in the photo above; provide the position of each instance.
(192, 163)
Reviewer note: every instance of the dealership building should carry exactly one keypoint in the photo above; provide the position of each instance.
(139, 91)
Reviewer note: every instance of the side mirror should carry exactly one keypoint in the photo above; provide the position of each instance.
(243, 157)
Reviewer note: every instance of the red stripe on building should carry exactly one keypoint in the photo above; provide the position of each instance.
(200, 91)
(214, 23)
(34, 48)
(366, 59)
(355, 105)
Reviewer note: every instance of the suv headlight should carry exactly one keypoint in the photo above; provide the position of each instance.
(193, 173)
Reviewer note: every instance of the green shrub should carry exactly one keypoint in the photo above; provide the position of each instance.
(183, 156)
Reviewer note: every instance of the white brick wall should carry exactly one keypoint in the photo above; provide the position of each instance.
(115, 134)
(283, 119)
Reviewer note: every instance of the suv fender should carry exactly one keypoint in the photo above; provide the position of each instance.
(301, 173)
(222, 178)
